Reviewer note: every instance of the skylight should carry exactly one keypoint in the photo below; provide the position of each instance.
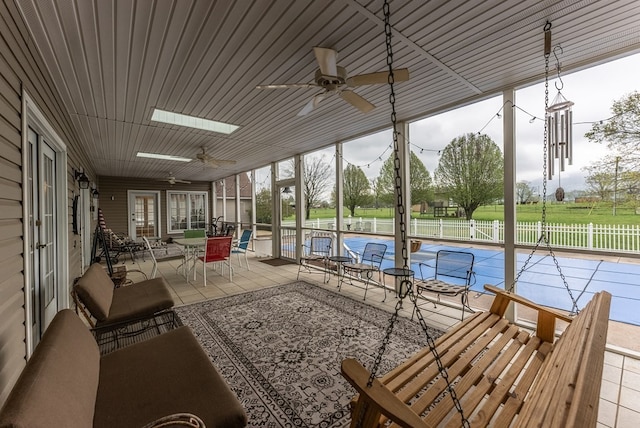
(161, 156)
(192, 121)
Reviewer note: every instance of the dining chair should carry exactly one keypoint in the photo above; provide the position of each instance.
(195, 233)
(241, 246)
(217, 250)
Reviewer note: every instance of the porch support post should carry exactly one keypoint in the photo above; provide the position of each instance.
(509, 138)
(224, 199)
(404, 156)
(300, 209)
(238, 218)
(253, 209)
(339, 200)
(275, 212)
(214, 201)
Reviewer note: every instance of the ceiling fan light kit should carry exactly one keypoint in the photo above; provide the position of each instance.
(334, 79)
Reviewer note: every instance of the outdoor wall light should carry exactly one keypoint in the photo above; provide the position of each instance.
(82, 179)
(95, 194)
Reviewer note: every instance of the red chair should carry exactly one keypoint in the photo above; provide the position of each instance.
(217, 250)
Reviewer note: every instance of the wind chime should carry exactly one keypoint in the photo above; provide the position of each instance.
(559, 117)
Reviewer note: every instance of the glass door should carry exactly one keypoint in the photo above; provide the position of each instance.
(43, 234)
(144, 214)
(287, 221)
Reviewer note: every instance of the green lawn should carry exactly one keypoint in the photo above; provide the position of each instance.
(567, 213)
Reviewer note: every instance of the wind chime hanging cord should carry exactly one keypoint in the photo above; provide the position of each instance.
(544, 236)
(406, 288)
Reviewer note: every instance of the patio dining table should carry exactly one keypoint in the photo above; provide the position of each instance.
(191, 249)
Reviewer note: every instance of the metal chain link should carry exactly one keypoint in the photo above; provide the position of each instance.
(406, 287)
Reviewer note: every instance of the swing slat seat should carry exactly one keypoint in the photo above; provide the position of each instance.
(501, 374)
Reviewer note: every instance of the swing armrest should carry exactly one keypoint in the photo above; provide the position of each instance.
(546, 322)
(378, 397)
(504, 297)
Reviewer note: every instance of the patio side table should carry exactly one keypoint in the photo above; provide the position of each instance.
(339, 260)
(399, 275)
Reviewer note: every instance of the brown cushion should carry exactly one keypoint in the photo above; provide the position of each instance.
(95, 289)
(167, 374)
(138, 300)
(58, 386)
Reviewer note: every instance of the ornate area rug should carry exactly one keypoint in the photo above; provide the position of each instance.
(280, 350)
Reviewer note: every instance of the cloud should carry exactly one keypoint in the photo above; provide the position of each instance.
(592, 90)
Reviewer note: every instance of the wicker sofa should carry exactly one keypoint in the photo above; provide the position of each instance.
(66, 383)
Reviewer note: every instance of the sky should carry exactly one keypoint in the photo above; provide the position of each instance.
(592, 90)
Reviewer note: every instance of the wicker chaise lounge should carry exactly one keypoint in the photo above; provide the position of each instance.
(109, 306)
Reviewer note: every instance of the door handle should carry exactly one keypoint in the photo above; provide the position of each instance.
(40, 246)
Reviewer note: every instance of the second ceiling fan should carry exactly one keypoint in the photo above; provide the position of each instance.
(333, 79)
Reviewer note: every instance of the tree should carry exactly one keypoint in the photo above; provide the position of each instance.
(599, 180)
(263, 206)
(317, 176)
(471, 171)
(622, 131)
(524, 192)
(356, 188)
(376, 191)
(419, 177)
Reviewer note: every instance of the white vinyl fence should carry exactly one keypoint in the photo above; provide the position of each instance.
(614, 238)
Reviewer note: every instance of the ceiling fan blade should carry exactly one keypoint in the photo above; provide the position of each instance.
(399, 75)
(326, 60)
(357, 101)
(181, 181)
(287, 86)
(312, 104)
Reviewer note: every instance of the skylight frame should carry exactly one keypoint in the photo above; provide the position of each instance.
(163, 157)
(187, 121)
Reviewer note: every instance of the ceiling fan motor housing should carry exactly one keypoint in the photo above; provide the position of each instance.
(331, 82)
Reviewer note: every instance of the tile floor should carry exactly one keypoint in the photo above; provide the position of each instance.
(620, 392)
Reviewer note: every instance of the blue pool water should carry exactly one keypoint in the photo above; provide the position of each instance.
(541, 282)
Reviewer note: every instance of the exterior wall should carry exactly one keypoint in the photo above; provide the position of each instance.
(21, 68)
(230, 215)
(113, 199)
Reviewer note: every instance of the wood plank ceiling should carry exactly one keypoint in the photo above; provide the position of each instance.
(113, 61)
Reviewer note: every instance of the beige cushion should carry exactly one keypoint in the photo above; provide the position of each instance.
(167, 374)
(95, 289)
(138, 300)
(58, 386)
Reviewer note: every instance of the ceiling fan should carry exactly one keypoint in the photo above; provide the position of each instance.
(212, 161)
(171, 179)
(333, 79)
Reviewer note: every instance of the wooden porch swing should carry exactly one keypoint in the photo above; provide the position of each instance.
(487, 371)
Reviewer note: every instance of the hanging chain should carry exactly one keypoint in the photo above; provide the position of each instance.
(406, 287)
(544, 234)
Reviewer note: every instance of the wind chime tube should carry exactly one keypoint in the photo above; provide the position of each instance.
(561, 144)
(569, 137)
(556, 135)
(549, 146)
